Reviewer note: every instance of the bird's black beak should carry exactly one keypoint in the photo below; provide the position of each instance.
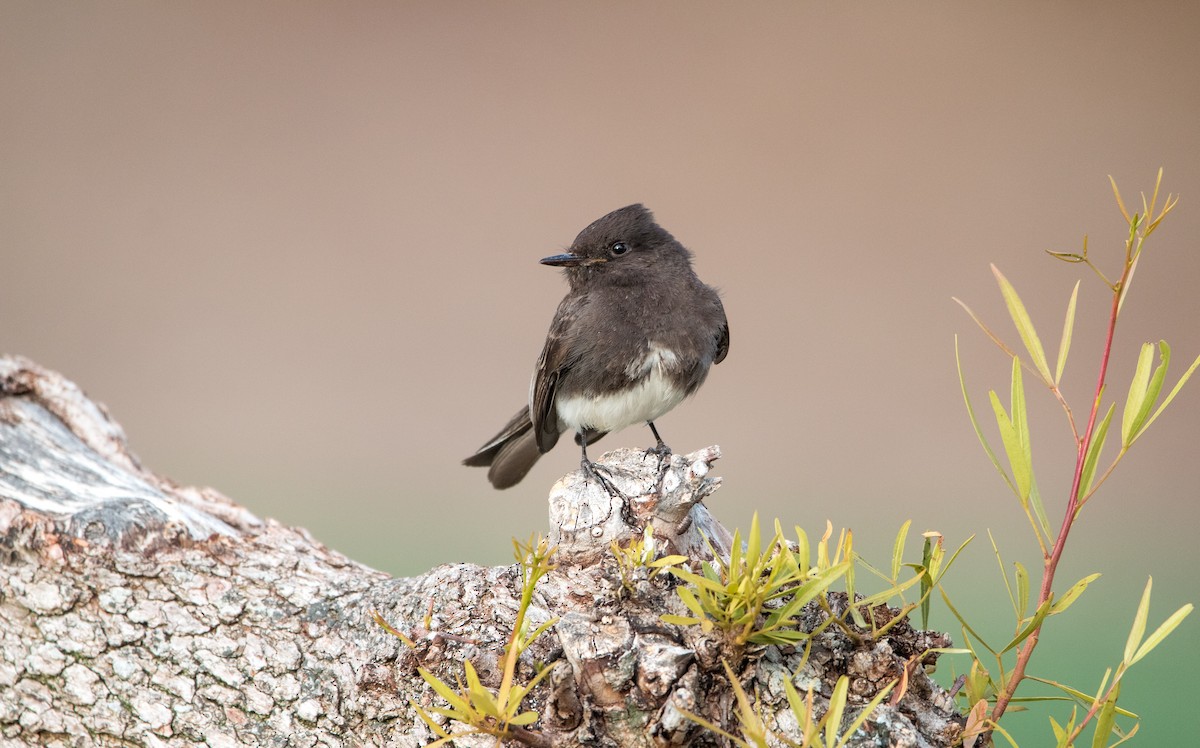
(569, 260)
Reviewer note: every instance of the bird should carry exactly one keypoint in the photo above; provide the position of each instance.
(636, 334)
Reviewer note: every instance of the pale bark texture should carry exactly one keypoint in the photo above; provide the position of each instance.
(136, 612)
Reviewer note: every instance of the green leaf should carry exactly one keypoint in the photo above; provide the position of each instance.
(1162, 632)
(1060, 734)
(1034, 624)
(803, 550)
(1024, 325)
(962, 383)
(1092, 459)
(1155, 387)
(1072, 594)
(1128, 736)
(837, 706)
(1064, 345)
(986, 331)
(379, 621)
(1139, 624)
(1120, 202)
(1174, 391)
(679, 620)
(434, 726)
(524, 718)
(864, 714)
(753, 540)
(1010, 434)
(700, 582)
(1018, 610)
(963, 622)
(481, 698)
(927, 581)
(1135, 401)
(1022, 588)
(1105, 718)
(898, 548)
(1078, 695)
(443, 690)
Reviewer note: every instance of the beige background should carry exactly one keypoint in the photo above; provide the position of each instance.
(293, 247)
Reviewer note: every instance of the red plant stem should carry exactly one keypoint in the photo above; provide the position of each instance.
(1051, 561)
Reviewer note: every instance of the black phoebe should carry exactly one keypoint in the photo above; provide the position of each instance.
(634, 336)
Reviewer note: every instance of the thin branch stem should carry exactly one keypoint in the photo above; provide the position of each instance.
(1051, 561)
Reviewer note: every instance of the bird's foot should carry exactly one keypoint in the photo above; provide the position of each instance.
(660, 450)
(593, 471)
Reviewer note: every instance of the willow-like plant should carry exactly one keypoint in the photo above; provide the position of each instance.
(1143, 405)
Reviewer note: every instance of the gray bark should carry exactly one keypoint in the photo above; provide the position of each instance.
(136, 612)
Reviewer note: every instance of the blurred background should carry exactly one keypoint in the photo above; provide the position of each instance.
(293, 247)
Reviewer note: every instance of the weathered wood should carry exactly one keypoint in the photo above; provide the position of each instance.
(137, 612)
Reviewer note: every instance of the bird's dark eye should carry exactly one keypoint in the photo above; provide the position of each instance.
(620, 248)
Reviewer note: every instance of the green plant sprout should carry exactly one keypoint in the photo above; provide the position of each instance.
(639, 559)
(754, 597)
(738, 595)
(814, 733)
(483, 710)
(1013, 424)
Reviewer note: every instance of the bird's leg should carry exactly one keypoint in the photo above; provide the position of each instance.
(594, 471)
(660, 449)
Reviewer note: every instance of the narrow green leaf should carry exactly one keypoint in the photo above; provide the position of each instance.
(1120, 202)
(962, 382)
(963, 622)
(1022, 588)
(379, 621)
(1152, 390)
(753, 540)
(1105, 718)
(1035, 622)
(986, 330)
(1017, 609)
(444, 690)
(1162, 632)
(1174, 391)
(1024, 324)
(1013, 448)
(1128, 736)
(1064, 345)
(898, 548)
(863, 715)
(1092, 459)
(525, 718)
(1139, 624)
(1075, 694)
(1020, 415)
(1072, 594)
(700, 582)
(481, 698)
(1060, 734)
(805, 593)
(837, 706)
(803, 550)
(689, 599)
(1137, 393)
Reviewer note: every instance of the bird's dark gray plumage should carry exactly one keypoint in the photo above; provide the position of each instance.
(635, 335)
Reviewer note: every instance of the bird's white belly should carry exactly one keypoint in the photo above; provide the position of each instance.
(650, 398)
